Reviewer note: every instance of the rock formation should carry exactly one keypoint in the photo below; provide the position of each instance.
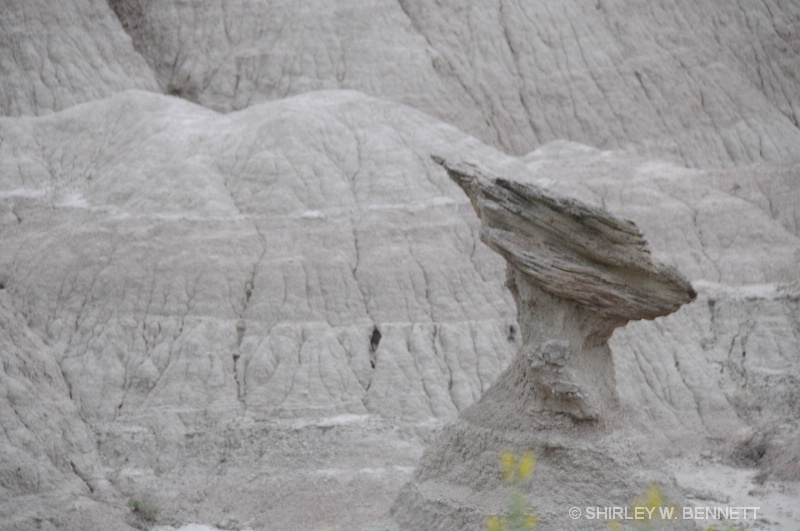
(576, 273)
(230, 272)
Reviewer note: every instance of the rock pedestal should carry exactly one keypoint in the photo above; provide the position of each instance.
(576, 272)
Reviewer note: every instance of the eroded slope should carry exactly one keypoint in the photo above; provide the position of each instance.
(306, 258)
(53, 57)
(703, 83)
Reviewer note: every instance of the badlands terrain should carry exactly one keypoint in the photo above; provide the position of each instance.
(237, 292)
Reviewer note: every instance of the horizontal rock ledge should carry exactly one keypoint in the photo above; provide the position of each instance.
(572, 250)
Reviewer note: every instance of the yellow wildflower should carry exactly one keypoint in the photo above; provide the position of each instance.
(531, 520)
(613, 525)
(526, 465)
(507, 462)
(653, 497)
(651, 500)
(493, 523)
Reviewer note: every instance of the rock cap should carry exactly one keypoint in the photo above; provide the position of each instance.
(570, 249)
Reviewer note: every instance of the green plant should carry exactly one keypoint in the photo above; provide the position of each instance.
(516, 471)
(144, 508)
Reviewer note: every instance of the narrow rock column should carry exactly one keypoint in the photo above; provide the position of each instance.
(564, 364)
(576, 272)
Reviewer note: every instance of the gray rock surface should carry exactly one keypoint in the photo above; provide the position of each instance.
(705, 83)
(174, 306)
(284, 302)
(53, 57)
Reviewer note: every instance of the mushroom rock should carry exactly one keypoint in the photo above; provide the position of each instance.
(576, 272)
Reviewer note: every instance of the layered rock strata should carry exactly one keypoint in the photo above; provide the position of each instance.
(576, 272)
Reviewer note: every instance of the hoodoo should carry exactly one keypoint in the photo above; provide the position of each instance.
(576, 272)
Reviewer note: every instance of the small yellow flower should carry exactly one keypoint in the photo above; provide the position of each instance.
(526, 465)
(651, 500)
(493, 523)
(653, 497)
(516, 517)
(507, 464)
(613, 525)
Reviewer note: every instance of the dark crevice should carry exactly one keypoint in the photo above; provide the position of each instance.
(188, 92)
(81, 476)
(750, 453)
(239, 390)
(512, 333)
(374, 341)
(130, 14)
(241, 328)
